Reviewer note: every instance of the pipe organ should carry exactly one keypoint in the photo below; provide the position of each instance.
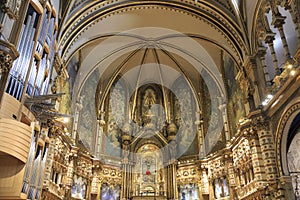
(33, 68)
(17, 77)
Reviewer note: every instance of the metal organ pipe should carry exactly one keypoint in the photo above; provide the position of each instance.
(31, 78)
(26, 62)
(45, 83)
(27, 51)
(38, 78)
(20, 67)
(50, 31)
(43, 32)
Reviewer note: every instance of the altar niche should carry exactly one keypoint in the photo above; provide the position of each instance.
(149, 177)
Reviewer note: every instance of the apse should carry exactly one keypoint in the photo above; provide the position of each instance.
(162, 87)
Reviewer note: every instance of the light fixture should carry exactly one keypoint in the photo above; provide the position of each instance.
(289, 66)
(292, 73)
(267, 100)
(66, 119)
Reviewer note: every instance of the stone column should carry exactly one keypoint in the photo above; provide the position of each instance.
(231, 176)
(171, 169)
(99, 188)
(8, 54)
(266, 141)
(262, 50)
(256, 158)
(269, 40)
(223, 110)
(278, 22)
(95, 178)
(70, 171)
(211, 189)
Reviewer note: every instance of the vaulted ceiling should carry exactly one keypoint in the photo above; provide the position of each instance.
(154, 40)
(215, 25)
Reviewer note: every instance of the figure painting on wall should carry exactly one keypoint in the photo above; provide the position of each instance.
(78, 188)
(235, 94)
(221, 187)
(116, 110)
(110, 192)
(189, 192)
(183, 111)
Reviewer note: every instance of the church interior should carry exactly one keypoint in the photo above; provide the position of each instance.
(150, 99)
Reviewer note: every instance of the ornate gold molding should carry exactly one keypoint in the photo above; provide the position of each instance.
(110, 175)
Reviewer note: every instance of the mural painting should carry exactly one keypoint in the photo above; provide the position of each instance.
(110, 192)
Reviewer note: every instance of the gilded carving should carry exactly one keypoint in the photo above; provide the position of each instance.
(186, 175)
(111, 176)
(5, 62)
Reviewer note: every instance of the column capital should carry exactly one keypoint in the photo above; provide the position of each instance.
(278, 20)
(260, 123)
(269, 37)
